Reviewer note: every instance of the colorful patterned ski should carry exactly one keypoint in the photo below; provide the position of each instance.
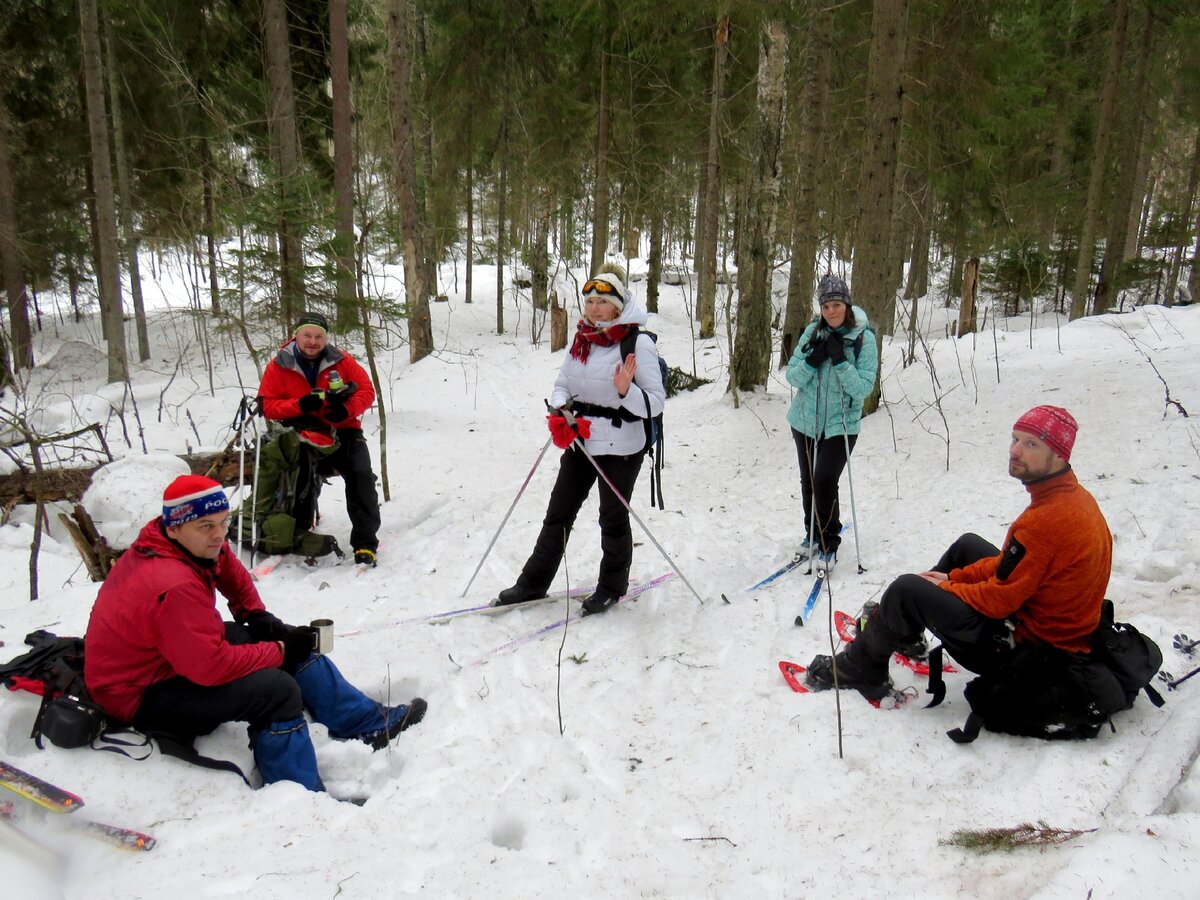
(57, 800)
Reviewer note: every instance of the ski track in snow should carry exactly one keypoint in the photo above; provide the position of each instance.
(685, 768)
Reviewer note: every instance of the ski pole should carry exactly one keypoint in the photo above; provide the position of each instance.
(566, 414)
(853, 508)
(254, 490)
(1171, 685)
(524, 484)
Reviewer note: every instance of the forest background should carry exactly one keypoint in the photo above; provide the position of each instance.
(277, 147)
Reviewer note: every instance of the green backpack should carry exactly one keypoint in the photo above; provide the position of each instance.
(277, 477)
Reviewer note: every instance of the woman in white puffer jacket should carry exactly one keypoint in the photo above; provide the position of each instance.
(612, 396)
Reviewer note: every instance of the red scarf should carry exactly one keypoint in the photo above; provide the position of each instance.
(587, 334)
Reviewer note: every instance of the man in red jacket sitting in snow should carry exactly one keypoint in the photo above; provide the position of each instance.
(160, 657)
(321, 391)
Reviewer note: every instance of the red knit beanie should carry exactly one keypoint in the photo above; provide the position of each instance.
(189, 497)
(1053, 426)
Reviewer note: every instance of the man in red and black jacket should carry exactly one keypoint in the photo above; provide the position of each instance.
(160, 656)
(322, 391)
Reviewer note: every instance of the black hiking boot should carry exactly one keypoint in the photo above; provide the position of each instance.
(870, 680)
(599, 602)
(916, 648)
(406, 716)
(518, 593)
(365, 557)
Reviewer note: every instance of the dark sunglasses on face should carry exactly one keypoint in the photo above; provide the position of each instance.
(597, 286)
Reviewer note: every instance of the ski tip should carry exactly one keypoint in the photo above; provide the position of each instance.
(800, 621)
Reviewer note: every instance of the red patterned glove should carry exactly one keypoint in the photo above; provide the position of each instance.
(563, 434)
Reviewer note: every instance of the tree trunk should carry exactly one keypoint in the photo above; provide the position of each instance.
(281, 123)
(1190, 204)
(10, 258)
(470, 224)
(108, 272)
(539, 257)
(751, 361)
(654, 258)
(1104, 123)
(343, 165)
(125, 190)
(873, 286)
(1127, 202)
(706, 227)
(600, 199)
(501, 211)
(970, 291)
(420, 327)
(810, 166)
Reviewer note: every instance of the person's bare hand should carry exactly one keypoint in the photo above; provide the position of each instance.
(624, 375)
(934, 577)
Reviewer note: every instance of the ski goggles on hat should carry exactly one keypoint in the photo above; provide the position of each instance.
(596, 286)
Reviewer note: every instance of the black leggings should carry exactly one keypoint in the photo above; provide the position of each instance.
(576, 475)
(821, 463)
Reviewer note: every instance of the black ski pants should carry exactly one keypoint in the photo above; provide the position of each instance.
(912, 604)
(821, 463)
(351, 460)
(576, 475)
(185, 710)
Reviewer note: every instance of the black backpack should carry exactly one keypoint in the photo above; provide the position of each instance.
(1043, 692)
(653, 424)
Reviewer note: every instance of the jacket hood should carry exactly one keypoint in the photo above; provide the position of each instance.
(634, 313)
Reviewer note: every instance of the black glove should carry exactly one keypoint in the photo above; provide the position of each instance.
(835, 348)
(344, 393)
(298, 644)
(310, 403)
(817, 355)
(335, 411)
(264, 626)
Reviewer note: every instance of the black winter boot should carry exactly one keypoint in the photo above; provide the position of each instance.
(599, 602)
(518, 593)
(854, 671)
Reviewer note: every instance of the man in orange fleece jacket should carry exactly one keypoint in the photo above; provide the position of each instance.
(1046, 585)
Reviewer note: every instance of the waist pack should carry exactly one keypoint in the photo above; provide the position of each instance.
(1044, 692)
(67, 717)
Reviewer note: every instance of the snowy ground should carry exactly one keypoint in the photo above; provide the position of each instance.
(684, 767)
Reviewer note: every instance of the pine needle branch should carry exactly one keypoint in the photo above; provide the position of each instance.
(994, 840)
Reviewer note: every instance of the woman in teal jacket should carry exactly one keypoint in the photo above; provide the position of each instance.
(833, 370)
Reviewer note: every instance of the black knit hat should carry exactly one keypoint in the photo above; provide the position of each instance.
(312, 318)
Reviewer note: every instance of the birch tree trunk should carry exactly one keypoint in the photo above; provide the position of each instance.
(1104, 122)
(420, 328)
(706, 227)
(108, 272)
(751, 361)
(1191, 204)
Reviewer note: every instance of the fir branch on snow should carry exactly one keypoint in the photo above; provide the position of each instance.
(993, 840)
